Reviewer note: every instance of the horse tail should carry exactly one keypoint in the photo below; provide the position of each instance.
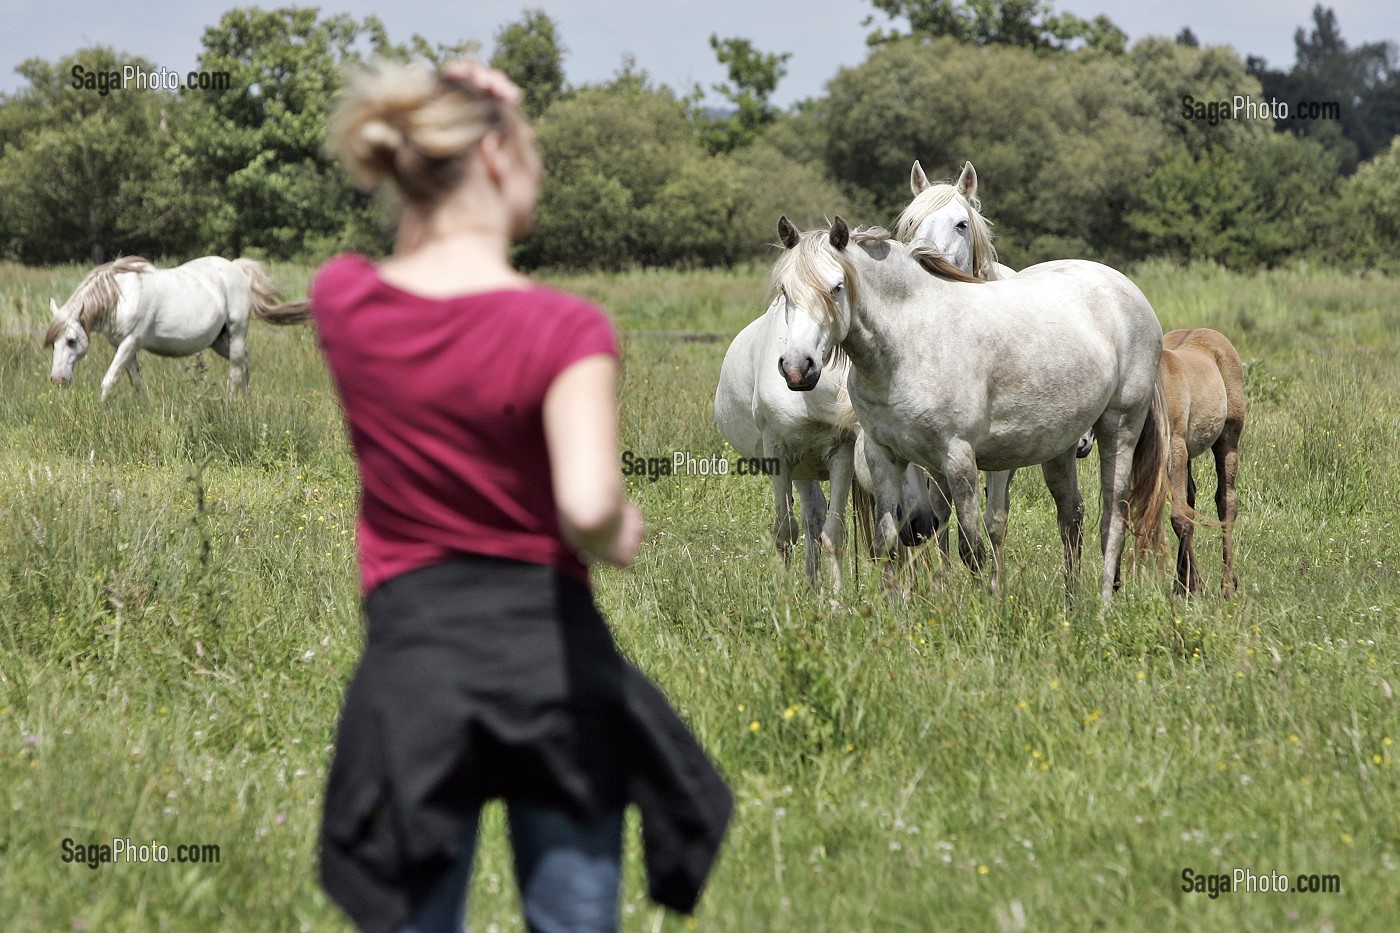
(265, 304)
(1148, 486)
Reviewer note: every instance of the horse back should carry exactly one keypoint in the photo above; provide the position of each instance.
(1203, 381)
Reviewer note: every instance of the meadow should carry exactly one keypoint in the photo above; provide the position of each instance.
(179, 617)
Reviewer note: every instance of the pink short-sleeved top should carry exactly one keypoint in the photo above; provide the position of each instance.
(444, 402)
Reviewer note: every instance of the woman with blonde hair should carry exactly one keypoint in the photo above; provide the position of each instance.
(481, 409)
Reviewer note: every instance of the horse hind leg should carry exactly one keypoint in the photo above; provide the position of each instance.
(1062, 479)
(1227, 463)
(1183, 485)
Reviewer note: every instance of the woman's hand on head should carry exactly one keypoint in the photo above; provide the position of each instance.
(481, 77)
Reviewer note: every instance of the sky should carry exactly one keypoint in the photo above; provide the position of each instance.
(668, 38)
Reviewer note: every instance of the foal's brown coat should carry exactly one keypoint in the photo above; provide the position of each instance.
(1203, 381)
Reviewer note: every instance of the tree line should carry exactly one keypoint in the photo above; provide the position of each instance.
(1085, 147)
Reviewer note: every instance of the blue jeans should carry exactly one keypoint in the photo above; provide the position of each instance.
(568, 874)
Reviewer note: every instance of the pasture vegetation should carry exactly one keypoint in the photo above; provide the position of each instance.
(178, 618)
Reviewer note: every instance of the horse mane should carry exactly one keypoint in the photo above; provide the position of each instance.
(96, 296)
(936, 197)
(932, 259)
(799, 270)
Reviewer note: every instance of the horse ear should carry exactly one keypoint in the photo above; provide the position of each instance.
(967, 181)
(918, 181)
(787, 232)
(53, 307)
(840, 233)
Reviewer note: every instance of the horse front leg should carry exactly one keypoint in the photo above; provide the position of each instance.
(886, 480)
(964, 480)
(125, 355)
(941, 502)
(813, 517)
(833, 540)
(784, 528)
(997, 516)
(133, 370)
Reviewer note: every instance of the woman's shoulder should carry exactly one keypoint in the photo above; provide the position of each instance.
(341, 273)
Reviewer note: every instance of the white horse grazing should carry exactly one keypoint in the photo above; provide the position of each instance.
(811, 434)
(170, 312)
(956, 374)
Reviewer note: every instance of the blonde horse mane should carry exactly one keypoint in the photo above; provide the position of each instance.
(96, 296)
(936, 197)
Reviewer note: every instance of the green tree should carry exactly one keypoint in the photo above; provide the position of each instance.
(1031, 24)
(1058, 141)
(1190, 207)
(531, 53)
(608, 152)
(82, 171)
(252, 159)
(753, 77)
(1366, 223)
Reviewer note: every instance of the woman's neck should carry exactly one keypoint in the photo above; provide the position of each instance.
(438, 255)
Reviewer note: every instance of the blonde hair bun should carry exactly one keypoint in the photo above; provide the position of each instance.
(406, 124)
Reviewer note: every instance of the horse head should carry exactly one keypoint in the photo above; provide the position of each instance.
(946, 217)
(813, 281)
(70, 343)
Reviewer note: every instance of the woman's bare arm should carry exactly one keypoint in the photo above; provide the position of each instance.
(580, 430)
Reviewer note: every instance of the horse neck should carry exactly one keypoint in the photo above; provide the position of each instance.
(879, 333)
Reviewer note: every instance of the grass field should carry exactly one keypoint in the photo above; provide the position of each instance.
(178, 618)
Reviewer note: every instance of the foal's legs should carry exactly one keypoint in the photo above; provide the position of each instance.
(1183, 487)
(1062, 479)
(1227, 463)
(1188, 578)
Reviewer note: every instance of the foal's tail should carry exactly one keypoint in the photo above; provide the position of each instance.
(1147, 489)
(265, 296)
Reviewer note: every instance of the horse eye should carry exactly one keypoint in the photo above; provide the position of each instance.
(836, 289)
(72, 341)
(962, 225)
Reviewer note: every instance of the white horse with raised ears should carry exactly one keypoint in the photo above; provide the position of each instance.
(810, 434)
(170, 312)
(948, 218)
(957, 375)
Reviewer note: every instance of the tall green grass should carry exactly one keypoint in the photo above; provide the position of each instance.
(179, 615)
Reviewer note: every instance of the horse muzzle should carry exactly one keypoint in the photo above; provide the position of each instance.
(800, 377)
(61, 381)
